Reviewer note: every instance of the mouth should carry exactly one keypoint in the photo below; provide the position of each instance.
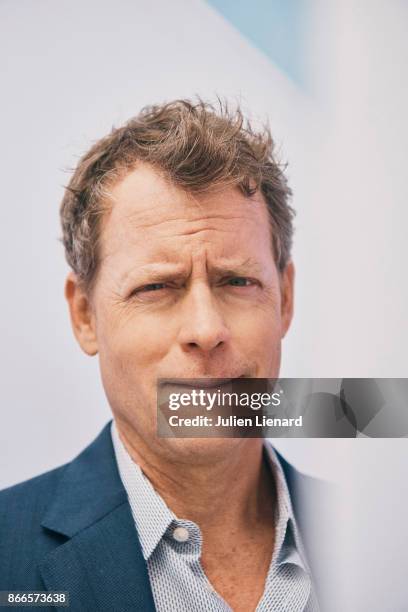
(198, 383)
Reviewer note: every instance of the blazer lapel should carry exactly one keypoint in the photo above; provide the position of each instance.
(100, 562)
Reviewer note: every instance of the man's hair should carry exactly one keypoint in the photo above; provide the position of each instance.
(199, 147)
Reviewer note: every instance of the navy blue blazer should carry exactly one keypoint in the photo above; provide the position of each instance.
(71, 529)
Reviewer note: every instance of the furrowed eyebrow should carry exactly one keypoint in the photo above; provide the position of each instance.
(165, 271)
(153, 272)
(231, 268)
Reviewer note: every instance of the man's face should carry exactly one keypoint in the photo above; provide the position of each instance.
(187, 287)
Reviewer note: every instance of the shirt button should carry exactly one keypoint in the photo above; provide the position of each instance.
(180, 534)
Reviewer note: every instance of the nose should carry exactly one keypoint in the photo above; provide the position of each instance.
(202, 327)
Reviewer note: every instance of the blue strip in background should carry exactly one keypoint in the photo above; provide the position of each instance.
(276, 27)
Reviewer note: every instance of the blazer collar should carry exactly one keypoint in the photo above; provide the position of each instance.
(101, 563)
(89, 488)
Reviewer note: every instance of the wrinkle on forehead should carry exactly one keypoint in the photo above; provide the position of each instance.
(165, 240)
(150, 211)
(146, 192)
(131, 232)
(144, 216)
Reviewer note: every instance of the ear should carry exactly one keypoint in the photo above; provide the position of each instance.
(82, 317)
(287, 296)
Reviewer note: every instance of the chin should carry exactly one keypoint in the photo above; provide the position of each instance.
(199, 451)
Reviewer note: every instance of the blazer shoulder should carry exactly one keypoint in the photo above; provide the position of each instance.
(42, 513)
(23, 542)
(22, 505)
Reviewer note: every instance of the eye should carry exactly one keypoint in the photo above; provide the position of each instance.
(240, 281)
(148, 290)
(152, 287)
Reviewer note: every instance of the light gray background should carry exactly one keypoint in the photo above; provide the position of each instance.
(71, 70)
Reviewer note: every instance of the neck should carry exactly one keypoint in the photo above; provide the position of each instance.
(235, 490)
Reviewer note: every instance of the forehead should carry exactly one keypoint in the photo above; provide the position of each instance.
(149, 214)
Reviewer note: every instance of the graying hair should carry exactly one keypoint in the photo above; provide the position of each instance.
(199, 147)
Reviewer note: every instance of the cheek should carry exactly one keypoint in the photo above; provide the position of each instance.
(259, 337)
(261, 324)
(131, 344)
(265, 338)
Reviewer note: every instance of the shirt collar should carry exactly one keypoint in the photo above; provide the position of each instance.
(153, 517)
(288, 542)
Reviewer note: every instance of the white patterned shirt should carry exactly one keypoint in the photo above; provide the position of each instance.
(172, 547)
